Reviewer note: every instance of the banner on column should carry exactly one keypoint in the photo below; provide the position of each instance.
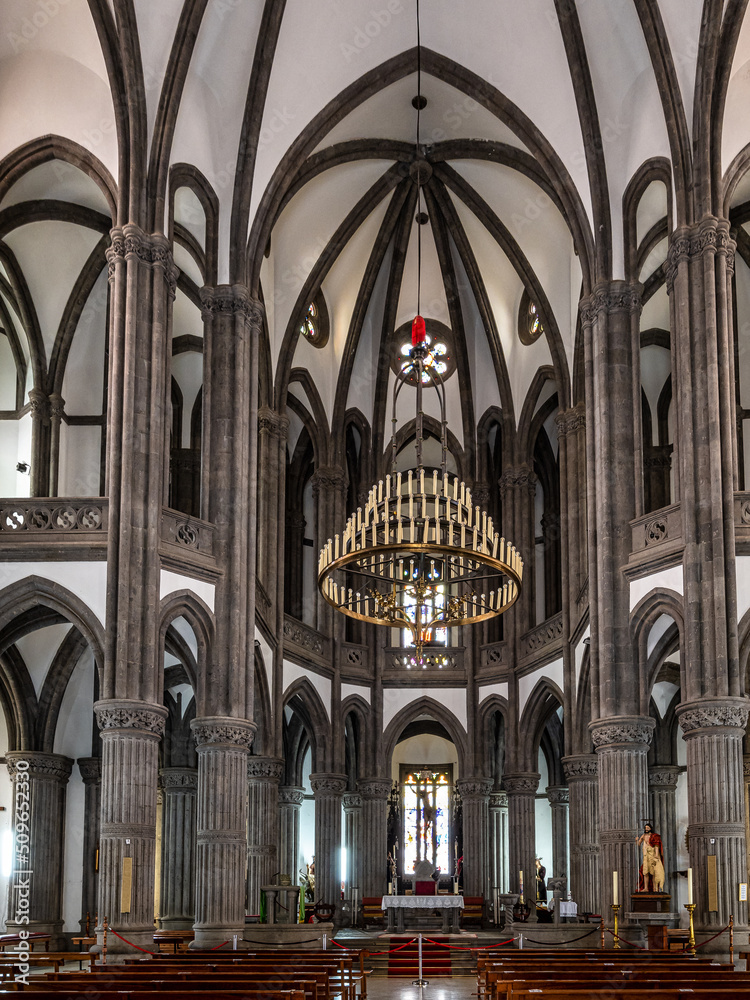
(713, 893)
(126, 885)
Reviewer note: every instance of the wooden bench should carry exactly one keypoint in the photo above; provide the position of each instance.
(53, 958)
(35, 937)
(173, 939)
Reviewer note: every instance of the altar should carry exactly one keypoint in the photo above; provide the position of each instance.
(396, 906)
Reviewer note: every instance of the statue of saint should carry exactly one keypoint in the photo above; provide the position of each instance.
(541, 884)
(651, 872)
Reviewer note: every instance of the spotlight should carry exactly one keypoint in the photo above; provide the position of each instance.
(23, 467)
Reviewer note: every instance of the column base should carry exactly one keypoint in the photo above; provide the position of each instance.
(212, 937)
(143, 937)
(57, 941)
(176, 923)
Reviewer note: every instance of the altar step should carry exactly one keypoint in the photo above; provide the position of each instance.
(438, 961)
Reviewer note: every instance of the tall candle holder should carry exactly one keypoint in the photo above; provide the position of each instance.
(615, 911)
(690, 907)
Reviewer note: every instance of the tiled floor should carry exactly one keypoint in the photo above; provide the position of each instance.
(439, 989)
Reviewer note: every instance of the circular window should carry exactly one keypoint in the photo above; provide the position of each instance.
(440, 358)
(530, 327)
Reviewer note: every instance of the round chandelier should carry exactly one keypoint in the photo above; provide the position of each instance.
(420, 555)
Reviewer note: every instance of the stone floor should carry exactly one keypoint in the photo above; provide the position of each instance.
(438, 989)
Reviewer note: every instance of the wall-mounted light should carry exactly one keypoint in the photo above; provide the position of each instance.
(24, 468)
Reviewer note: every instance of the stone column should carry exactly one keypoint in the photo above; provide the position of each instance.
(272, 430)
(223, 745)
(39, 781)
(518, 489)
(329, 494)
(622, 746)
(713, 731)
(581, 773)
(374, 792)
(746, 770)
(263, 777)
(521, 788)
(130, 734)
(290, 800)
(558, 798)
(328, 789)
(178, 810)
(91, 774)
(353, 841)
(475, 795)
(39, 458)
(56, 413)
(498, 815)
(662, 780)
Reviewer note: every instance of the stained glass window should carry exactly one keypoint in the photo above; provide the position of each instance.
(309, 327)
(426, 809)
(314, 323)
(530, 327)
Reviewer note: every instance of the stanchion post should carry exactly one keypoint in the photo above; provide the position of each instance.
(616, 910)
(731, 939)
(104, 941)
(420, 981)
(691, 939)
(601, 933)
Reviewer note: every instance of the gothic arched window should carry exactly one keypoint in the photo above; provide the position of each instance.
(314, 325)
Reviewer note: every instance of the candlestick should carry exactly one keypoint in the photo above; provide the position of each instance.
(616, 910)
(690, 885)
(690, 907)
(520, 885)
(615, 888)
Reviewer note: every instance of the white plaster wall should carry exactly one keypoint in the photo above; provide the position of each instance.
(527, 683)
(6, 820)
(486, 690)
(424, 749)
(87, 580)
(80, 461)
(394, 699)
(667, 579)
(352, 689)
(322, 685)
(170, 583)
(743, 585)
(38, 649)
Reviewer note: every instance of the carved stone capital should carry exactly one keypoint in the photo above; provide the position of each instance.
(522, 782)
(664, 776)
(91, 769)
(326, 480)
(631, 732)
(183, 778)
(746, 766)
(558, 795)
(374, 788)
(219, 731)
(39, 766)
(264, 769)
(328, 784)
(498, 800)
(352, 800)
(131, 242)
(690, 242)
(56, 406)
(521, 478)
(276, 424)
(231, 300)
(39, 404)
(289, 795)
(474, 788)
(711, 714)
(133, 718)
(581, 767)
(481, 494)
(570, 421)
(610, 297)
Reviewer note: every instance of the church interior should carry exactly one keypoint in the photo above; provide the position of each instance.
(218, 222)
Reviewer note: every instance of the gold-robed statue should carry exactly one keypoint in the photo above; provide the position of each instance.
(651, 872)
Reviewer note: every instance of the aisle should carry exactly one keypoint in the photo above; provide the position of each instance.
(439, 989)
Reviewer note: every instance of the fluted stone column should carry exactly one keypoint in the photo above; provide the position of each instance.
(263, 777)
(521, 788)
(329, 494)
(374, 792)
(558, 798)
(223, 745)
(713, 731)
(498, 817)
(475, 796)
(518, 490)
(91, 774)
(56, 414)
(746, 771)
(290, 801)
(42, 821)
(179, 830)
(130, 734)
(328, 788)
(353, 842)
(622, 746)
(582, 775)
(272, 429)
(662, 781)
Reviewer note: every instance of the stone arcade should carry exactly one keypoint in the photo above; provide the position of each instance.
(207, 277)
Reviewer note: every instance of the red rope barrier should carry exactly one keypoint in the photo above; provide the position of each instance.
(138, 947)
(479, 947)
(561, 944)
(391, 950)
(718, 934)
(216, 947)
(632, 944)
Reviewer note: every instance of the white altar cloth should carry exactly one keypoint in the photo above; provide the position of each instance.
(396, 906)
